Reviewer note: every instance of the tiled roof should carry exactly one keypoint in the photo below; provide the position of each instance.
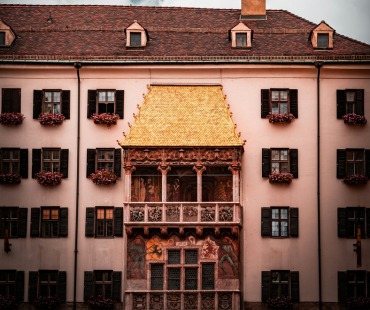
(96, 33)
(183, 116)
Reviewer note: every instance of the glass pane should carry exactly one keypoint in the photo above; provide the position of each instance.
(110, 108)
(350, 96)
(349, 155)
(359, 155)
(283, 108)
(55, 214)
(284, 154)
(275, 95)
(283, 213)
(135, 39)
(275, 213)
(100, 228)
(109, 228)
(359, 168)
(100, 214)
(102, 108)
(208, 277)
(156, 277)
(275, 276)
(109, 214)
(15, 154)
(284, 167)
(275, 229)
(241, 39)
(57, 108)
(191, 278)
(173, 257)
(56, 154)
(284, 229)
(284, 276)
(7, 168)
(101, 96)
(48, 96)
(284, 290)
(323, 40)
(110, 96)
(46, 154)
(191, 256)
(46, 213)
(6, 154)
(275, 155)
(275, 168)
(284, 95)
(350, 169)
(56, 96)
(174, 278)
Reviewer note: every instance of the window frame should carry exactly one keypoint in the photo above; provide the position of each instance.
(9, 282)
(38, 160)
(342, 162)
(11, 100)
(104, 223)
(293, 161)
(55, 163)
(50, 284)
(53, 102)
(93, 101)
(39, 102)
(104, 283)
(347, 226)
(344, 292)
(38, 223)
(293, 285)
(266, 101)
(49, 227)
(35, 283)
(91, 222)
(92, 160)
(292, 221)
(21, 222)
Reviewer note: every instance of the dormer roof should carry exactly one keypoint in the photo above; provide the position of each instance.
(9, 35)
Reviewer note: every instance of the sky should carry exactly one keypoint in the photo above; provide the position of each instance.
(346, 17)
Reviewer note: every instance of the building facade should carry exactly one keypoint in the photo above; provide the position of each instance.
(182, 158)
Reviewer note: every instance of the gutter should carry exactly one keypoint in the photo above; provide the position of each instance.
(77, 66)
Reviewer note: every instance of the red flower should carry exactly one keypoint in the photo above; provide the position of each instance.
(50, 119)
(282, 178)
(354, 119)
(49, 178)
(355, 179)
(108, 119)
(11, 119)
(280, 118)
(10, 178)
(103, 177)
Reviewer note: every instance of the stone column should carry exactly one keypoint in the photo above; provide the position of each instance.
(129, 169)
(164, 168)
(235, 168)
(199, 168)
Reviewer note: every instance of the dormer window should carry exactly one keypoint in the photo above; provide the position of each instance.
(7, 36)
(2, 38)
(322, 37)
(241, 39)
(241, 36)
(322, 40)
(136, 35)
(135, 39)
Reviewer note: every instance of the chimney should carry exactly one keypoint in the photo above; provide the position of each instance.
(253, 9)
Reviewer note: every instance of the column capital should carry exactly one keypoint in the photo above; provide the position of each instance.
(199, 168)
(164, 168)
(235, 167)
(129, 168)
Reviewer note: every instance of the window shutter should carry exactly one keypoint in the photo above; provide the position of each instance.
(342, 286)
(265, 222)
(63, 222)
(367, 210)
(19, 289)
(23, 163)
(293, 222)
(90, 165)
(117, 279)
(341, 164)
(11, 100)
(367, 163)
(265, 102)
(266, 163)
(294, 286)
(37, 103)
(62, 286)
(32, 285)
(360, 102)
(341, 103)
(117, 162)
(22, 222)
(36, 161)
(88, 285)
(66, 94)
(91, 102)
(293, 157)
(118, 222)
(64, 162)
(293, 94)
(342, 222)
(35, 222)
(89, 225)
(120, 102)
(265, 285)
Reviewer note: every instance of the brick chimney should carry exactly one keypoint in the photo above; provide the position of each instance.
(253, 9)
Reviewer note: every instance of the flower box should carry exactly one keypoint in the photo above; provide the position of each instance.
(280, 178)
(284, 118)
(50, 119)
(48, 178)
(355, 179)
(10, 179)
(354, 119)
(279, 303)
(11, 119)
(100, 302)
(8, 303)
(47, 302)
(107, 119)
(103, 177)
(358, 303)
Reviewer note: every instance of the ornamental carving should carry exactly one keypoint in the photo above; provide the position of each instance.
(225, 301)
(137, 214)
(190, 213)
(208, 301)
(173, 213)
(139, 302)
(225, 213)
(155, 214)
(156, 301)
(208, 214)
(190, 302)
(173, 301)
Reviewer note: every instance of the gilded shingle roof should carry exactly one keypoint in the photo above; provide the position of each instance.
(183, 116)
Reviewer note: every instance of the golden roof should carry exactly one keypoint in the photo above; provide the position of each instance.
(183, 116)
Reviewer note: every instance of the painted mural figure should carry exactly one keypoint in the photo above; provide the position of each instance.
(228, 257)
(176, 190)
(142, 190)
(136, 252)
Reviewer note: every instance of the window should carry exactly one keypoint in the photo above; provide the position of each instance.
(322, 36)
(241, 39)
(15, 220)
(322, 40)
(279, 101)
(105, 159)
(104, 222)
(279, 222)
(14, 161)
(353, 162)
(106, 283)
(2, 38)
(50, 159)
(51, 101)
(47, 283)
(280, 283)
(279, 161)
(12, 284)
(350, 101)
(105, 101)
(350, 218)
(241, 36)
(156, 279)
(352, 284)
(49, 222)
(135, 39)
(98, 159)
(136, 36)
(11, 100)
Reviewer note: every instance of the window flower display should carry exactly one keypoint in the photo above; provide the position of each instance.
(354, 119)
(100, 302)
(103, 177)
(279, 303)
(10, 178)
(50, 119)
(284, 118)
(107, 119)
(356, 179)
(47, 302)
(49, 178)
(11, 119)
(281, 178)
(8, 303)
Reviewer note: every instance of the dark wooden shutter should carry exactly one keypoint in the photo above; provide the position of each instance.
(32, 285)
(118, 222)
(266, 163)
(120, 102)
(368, 228)
(37, 103)
(293, 222)
(90, 165)
(35, 222)
(341, 103)
(117, 279)
(265, 222)
(117, 162)
(62, 286)
(19, 286)
(359, 105)
(367, 163)
(23, 163)
(293, 157)
(294, 286)
(293, 94)
(63, 222)
(265, 102)
(22, 222)
(88, 284)
(341, 164)
(342, 222)
(91, 102)
(265, 285)
(36, 161)
(66, 94)
(64, 162)
(89, 224)
(11, 100)
(342, 286)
